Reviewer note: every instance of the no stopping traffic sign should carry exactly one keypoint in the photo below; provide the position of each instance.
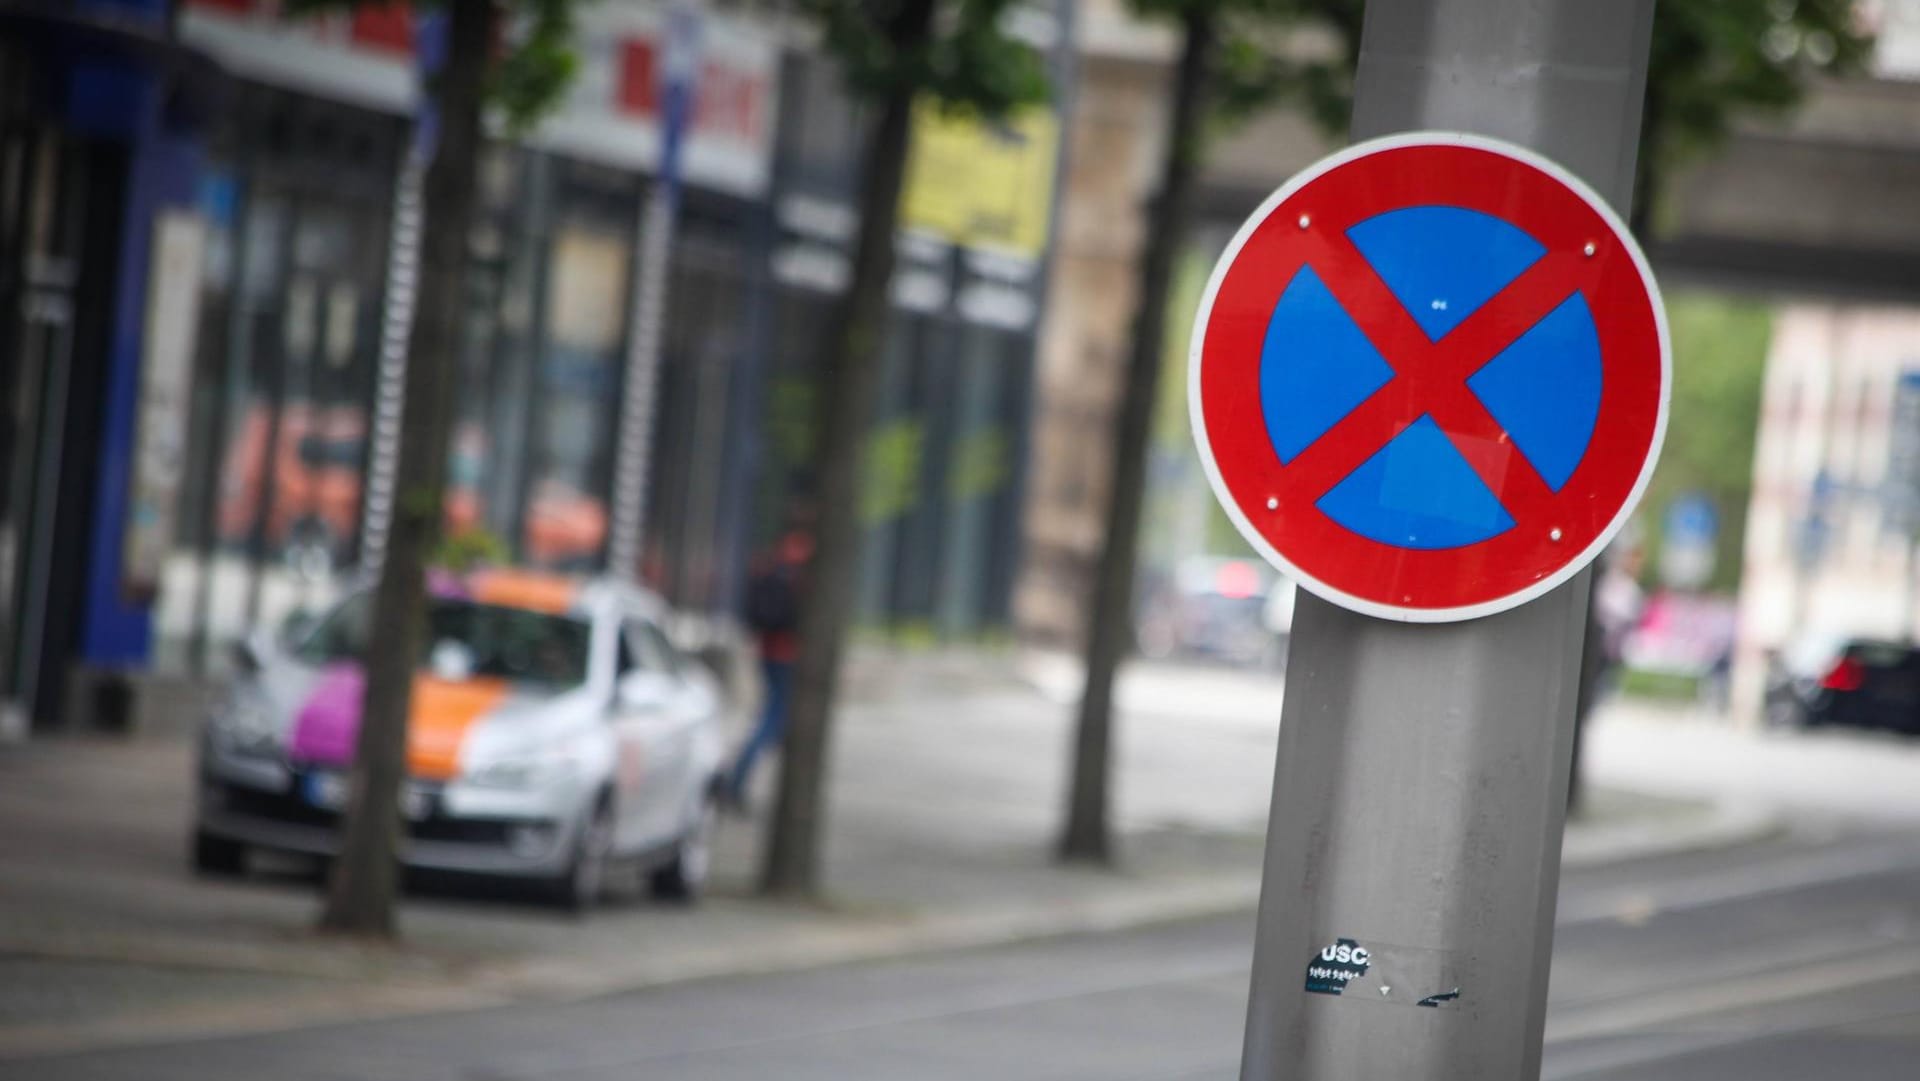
(1429, 377)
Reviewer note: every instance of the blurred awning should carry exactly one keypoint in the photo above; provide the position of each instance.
(62, 30)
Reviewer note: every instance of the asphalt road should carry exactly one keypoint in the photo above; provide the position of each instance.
(1789, 959)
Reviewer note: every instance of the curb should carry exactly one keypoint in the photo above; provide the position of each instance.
(1726, 825)
(561, 981)
(406, 990)
(347, 1004)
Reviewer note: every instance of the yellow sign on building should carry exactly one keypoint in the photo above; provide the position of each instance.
(982, 183)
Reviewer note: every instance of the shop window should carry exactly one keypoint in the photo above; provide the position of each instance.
(299, 203)
(979, 471)
(691, 502)
(578, 378)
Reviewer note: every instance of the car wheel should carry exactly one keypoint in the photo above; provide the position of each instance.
(218, 855)
(684, 877)
(579, 887)
(1784, 714)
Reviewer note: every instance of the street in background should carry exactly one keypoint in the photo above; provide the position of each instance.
(211, 241)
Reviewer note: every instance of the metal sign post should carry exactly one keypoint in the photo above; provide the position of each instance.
(403, 279)
(1413, 852)
(679, 77)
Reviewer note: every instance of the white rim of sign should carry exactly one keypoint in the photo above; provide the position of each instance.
(1198, 340)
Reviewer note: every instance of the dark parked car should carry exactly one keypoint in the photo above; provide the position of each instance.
(1856, 682)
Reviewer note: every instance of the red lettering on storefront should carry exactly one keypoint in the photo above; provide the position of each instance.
(731, 102)
(384, 28)
(728, 101)
(639, 83)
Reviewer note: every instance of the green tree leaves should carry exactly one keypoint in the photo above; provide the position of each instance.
(1713, 59)
(1719, 357)
(969, 61)
(530, 76)
(1710, 61)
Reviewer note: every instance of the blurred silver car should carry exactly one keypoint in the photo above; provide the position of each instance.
(554, 731)
(1233, 610)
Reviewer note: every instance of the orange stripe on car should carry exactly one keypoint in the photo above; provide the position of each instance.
(437, 724)
(547, 593)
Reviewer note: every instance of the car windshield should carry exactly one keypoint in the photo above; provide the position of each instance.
(1812, 654)
(1875, 654)
(514, 644)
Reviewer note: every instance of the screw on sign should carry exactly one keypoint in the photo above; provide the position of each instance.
(1429, 377)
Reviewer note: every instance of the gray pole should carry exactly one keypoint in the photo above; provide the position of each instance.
(396, 327)
(1420, 792)
(632, 465)
(635, 440)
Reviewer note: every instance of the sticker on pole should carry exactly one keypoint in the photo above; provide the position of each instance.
(1429, 377)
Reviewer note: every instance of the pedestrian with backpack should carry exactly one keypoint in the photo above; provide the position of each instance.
(773, 614)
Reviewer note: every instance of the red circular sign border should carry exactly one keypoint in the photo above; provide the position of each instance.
(1524, 562)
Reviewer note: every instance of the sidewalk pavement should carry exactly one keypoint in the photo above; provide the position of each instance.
(1806, 777)
(947, 776)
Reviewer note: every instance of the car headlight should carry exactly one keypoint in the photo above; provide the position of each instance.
(543, 767)
(246, 726)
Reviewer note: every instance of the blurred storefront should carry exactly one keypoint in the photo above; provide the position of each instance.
(101, 117)
(191, 453)
(947, 450)
(1833, 528)
(310, 271)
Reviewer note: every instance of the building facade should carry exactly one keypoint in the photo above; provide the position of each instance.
(1114, 157)
(947, 451)
(237, 443)
(1830, 542)
(1113, 149)
(313, 221)
(102, 122)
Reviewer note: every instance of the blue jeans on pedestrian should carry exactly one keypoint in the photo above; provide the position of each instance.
(778, 676)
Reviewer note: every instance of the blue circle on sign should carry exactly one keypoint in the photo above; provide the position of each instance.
(1317, 364)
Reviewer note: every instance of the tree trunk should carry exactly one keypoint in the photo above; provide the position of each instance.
(360, 893)
(1593, 666)
(848, 382)
(1088, 833)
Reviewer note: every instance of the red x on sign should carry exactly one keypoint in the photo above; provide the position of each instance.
(1429, 377)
